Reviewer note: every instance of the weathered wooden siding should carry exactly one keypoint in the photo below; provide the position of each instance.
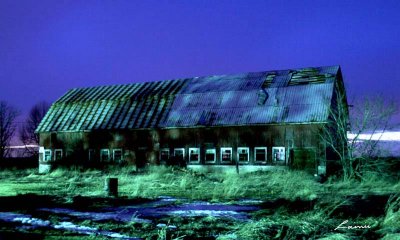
(143, 146)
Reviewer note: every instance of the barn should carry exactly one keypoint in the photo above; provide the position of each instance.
(257, 120)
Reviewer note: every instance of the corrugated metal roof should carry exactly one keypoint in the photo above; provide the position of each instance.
(284, 96)
(224, 83)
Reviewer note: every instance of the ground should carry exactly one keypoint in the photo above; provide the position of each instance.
(171, 203)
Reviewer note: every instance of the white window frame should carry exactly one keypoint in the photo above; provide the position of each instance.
(273, 155)
(122, 156)
(180, 149)
(213, 151)
(190, 154)
(255, 154)
(222, 151)
(239, 149)
(55, 154)
(101, 154)
(49, 154)
(169, 154)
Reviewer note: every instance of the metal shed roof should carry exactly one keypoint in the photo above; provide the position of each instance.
(284, 96)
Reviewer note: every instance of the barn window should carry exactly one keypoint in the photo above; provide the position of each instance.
(226, 154)
(58, 153)
(243, 154)
(260, 154)
(92, 154)
(47, 155)
(194, 154)
(211, 155)
(179, 154)
(278, 154)
(117, 155)
(104, 155)
(164, 155)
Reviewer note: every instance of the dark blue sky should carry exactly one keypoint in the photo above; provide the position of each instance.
(49, 47)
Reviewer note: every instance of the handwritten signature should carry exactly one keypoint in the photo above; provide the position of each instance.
(342, 225)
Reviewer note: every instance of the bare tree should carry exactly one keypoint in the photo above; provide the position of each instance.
(27, 131)
(369, 116)
(334, 133)
(8, 114)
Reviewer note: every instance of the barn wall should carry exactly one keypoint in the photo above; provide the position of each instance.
(143, 146)
(295, 137)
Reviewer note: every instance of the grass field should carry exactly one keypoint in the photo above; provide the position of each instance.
(292, 205)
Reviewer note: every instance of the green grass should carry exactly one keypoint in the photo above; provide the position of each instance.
(391, 220)
(165, 181)
(219, 187)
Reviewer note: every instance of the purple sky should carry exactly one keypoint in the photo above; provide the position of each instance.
(49, 47)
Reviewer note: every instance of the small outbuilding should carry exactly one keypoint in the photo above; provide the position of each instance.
(252, 120)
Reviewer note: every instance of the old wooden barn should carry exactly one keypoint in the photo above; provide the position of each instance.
(253, 120)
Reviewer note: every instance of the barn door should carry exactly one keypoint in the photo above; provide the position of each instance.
(304, 159)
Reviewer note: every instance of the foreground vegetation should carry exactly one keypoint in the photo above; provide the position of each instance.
(294, 205)
(167, 181)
